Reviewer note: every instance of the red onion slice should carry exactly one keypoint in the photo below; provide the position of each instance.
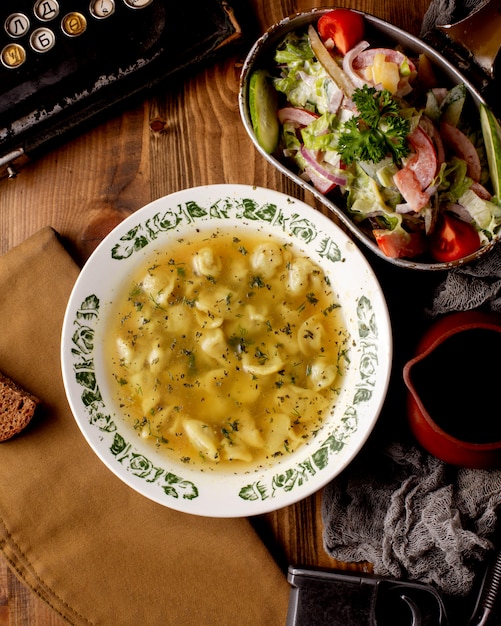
(348, 61)
(321, 177)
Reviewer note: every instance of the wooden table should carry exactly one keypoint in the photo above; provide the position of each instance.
(89, 184)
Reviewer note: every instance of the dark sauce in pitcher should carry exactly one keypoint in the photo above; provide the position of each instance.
(459, 384)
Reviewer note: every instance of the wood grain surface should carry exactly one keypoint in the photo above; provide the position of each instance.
(189, 133)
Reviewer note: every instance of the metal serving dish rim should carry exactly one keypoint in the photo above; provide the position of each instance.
(411, 43)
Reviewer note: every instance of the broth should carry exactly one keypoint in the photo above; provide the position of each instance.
(227, 351)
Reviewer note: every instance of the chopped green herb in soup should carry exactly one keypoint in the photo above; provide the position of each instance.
(227, 351)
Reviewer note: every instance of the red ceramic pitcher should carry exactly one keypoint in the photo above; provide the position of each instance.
(454, 383)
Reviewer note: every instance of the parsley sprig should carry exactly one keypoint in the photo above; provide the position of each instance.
(377, 132)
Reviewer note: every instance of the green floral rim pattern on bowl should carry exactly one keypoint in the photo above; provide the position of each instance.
(214, 493)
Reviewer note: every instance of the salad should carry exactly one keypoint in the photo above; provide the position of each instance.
(413, 163)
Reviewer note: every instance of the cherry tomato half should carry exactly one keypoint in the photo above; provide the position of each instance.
(453, 239)
(344, 27)
(399, 244)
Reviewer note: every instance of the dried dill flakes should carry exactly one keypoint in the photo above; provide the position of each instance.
(311, 297)
(261, 356)
(332, 307)
(230, 346)
(257, 281)
(240, 342)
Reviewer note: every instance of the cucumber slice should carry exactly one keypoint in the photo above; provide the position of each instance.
(491, 131)
(452, 106)
(385, 175)
(432, 108)
(263, 102)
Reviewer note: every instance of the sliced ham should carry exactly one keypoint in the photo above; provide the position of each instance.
(424, 162)
(432, 131)
(410, 187)
(366, 58)
(301, 117)
(481, 191)
(459, 144)
(419, 171)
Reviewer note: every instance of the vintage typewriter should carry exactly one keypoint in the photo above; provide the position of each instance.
(64, 63)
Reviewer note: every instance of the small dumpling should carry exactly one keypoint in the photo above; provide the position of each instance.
(159, 422)
(208, 320)
(213, 343)
(136, 364)
(177, 319)
(311, 335)
(215, 302)
(151, 399)
(236, 452)
(136, 381)
(261, 364)
(202, 437)
(248, 431)
(293, 400)
(213, 380)
(245, 389)
(266, 259)
(206, 263)
(322, 375)
(278, 433)
(158, 287)
(254, 314)
(124, 351)
(301, 271)
(239, 271)
(157, 359)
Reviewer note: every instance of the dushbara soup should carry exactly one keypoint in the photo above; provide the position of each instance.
(227, 351)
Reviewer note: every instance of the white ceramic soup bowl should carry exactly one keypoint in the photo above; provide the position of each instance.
(137, 461)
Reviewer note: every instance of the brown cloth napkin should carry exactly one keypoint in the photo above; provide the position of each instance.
(92, 548)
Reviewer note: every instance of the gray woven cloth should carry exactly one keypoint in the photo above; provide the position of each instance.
(473, 286)
(413, 517)
(448, 12)
(409, 514)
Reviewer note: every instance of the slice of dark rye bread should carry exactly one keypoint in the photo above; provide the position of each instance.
(17, 407)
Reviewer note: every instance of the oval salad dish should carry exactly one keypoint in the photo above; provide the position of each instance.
(383, 130)
(226, 350)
